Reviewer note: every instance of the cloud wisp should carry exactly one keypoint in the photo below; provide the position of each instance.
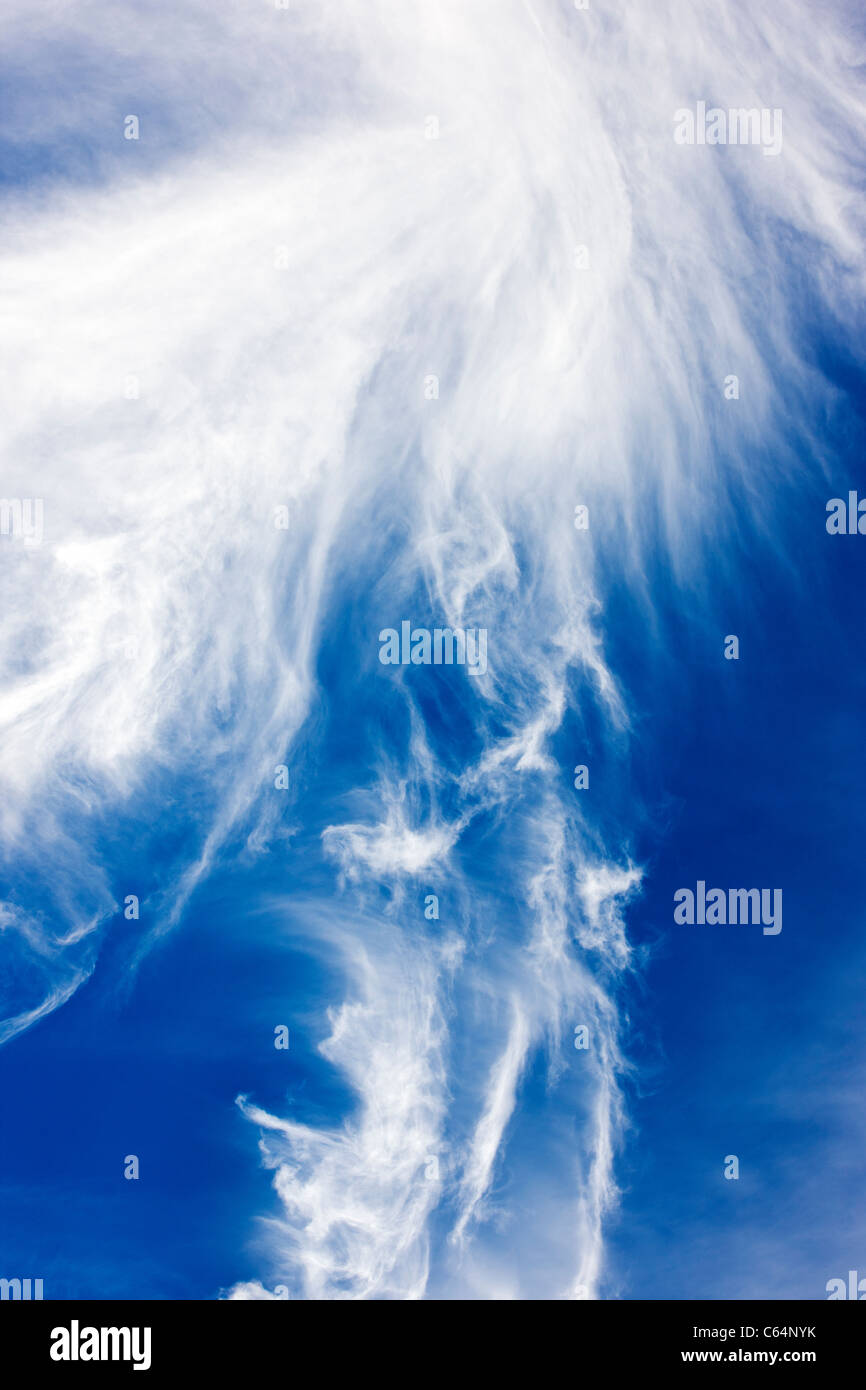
(360, 345)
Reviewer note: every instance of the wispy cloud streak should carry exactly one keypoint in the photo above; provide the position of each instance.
(356, 291)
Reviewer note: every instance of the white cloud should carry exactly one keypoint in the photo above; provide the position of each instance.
(280, 275)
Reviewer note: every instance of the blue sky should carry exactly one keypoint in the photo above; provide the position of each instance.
(317, 355)
(756, 1042)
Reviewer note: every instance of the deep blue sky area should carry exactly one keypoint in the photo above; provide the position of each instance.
(749, 1044)
(152, 1074)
